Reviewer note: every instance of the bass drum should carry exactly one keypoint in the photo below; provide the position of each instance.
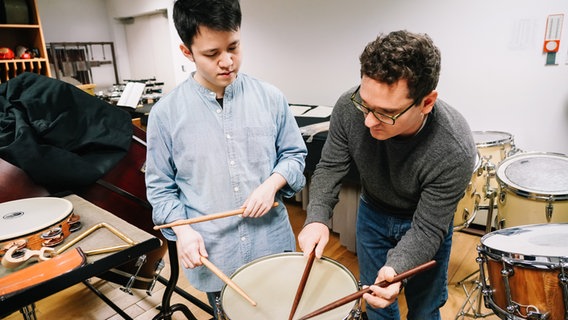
(527, 271)
(469, 204)
(272, 282)
(533, 189)
(122, 191)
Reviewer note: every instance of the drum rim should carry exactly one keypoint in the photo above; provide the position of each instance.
(526, 192)
(493, 142)
(63, 217)
(523, 259)
(277, 255)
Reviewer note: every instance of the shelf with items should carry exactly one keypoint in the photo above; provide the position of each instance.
(22, 35)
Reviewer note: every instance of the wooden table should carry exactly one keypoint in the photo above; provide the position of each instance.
(91, 215)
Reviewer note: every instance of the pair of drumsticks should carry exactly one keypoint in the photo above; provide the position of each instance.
(305, 275)
(204, 260)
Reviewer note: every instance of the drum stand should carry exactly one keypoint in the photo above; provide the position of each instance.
(167, 310)
(471, 307)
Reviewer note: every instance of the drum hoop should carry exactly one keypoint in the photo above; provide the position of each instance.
(523, 259)
(494, 142)
(518, 190)
(271, 256)
(291, 254)
(66, 215)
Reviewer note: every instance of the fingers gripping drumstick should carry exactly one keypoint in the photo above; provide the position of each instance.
(360, 293)
(205, 218)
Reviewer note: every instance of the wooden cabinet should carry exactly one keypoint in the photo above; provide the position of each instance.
(29, 35)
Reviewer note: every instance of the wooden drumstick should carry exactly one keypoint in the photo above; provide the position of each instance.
(226, 279)
(205, 218)
(302, 284)
(360, 293)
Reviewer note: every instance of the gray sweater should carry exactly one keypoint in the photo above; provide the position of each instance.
(420, 178)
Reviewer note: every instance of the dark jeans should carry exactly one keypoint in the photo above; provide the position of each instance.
(426, 292)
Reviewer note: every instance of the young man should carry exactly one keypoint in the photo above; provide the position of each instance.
(222, 140)
(415, 155)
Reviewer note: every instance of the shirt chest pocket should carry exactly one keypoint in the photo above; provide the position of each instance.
(260, 144)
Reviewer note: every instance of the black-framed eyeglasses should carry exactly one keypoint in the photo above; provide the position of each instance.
(381, 117)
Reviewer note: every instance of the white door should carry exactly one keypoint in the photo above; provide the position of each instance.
(149, 49)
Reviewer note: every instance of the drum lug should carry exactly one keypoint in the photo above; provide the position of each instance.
(505, 274)
(220, 314)
(159, 266)
(549, 209)
(128, 287)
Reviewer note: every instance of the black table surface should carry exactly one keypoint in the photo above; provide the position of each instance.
(91, 215)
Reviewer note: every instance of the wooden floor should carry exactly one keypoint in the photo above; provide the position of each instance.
(78, 302)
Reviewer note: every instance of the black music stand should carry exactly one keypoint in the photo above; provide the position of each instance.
(166, 310)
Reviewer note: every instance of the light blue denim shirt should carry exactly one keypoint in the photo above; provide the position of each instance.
(203, 159)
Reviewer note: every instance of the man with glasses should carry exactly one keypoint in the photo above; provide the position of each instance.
(415, 154)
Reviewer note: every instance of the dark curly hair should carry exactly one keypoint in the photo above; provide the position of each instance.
(403, 55)
(220, 15)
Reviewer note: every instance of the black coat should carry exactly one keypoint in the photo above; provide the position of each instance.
(62, 137)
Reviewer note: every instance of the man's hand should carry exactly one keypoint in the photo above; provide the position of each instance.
(383, 297)
(190, 246)
(261, 200)
(316, 235)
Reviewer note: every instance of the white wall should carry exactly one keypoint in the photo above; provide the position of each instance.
(310, 50)
(493, 68)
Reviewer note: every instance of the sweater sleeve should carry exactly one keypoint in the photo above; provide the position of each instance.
(334, 164)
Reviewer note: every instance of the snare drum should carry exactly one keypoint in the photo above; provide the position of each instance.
(494, 147)
(533, 189)
(272, 282)
(527, 271)
(468, 205)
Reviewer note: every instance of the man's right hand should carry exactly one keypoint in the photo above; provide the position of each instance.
(316, 235)
(190, 246)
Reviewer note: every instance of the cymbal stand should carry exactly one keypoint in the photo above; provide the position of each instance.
(471, 307)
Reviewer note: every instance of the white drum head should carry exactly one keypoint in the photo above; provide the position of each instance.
(531, 243)
(272, 283)
(491, 138)
(536, 174)
(26, 216)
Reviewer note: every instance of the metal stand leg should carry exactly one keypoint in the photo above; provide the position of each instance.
(166, 310)
(107, 300)
(471, 307)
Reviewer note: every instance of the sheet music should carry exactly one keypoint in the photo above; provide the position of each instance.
(131, 95)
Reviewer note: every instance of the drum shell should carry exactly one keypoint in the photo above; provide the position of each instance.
(529, 286)
(523, 266)
(494, 147)
(328, 281)
(520, 205)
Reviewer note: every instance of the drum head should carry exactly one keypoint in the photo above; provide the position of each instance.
(536, 174)
(26, 216)
(537, 243)
(491, 138)
(272, 283)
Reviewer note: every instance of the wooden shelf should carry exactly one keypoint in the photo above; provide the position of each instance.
(29, 36)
